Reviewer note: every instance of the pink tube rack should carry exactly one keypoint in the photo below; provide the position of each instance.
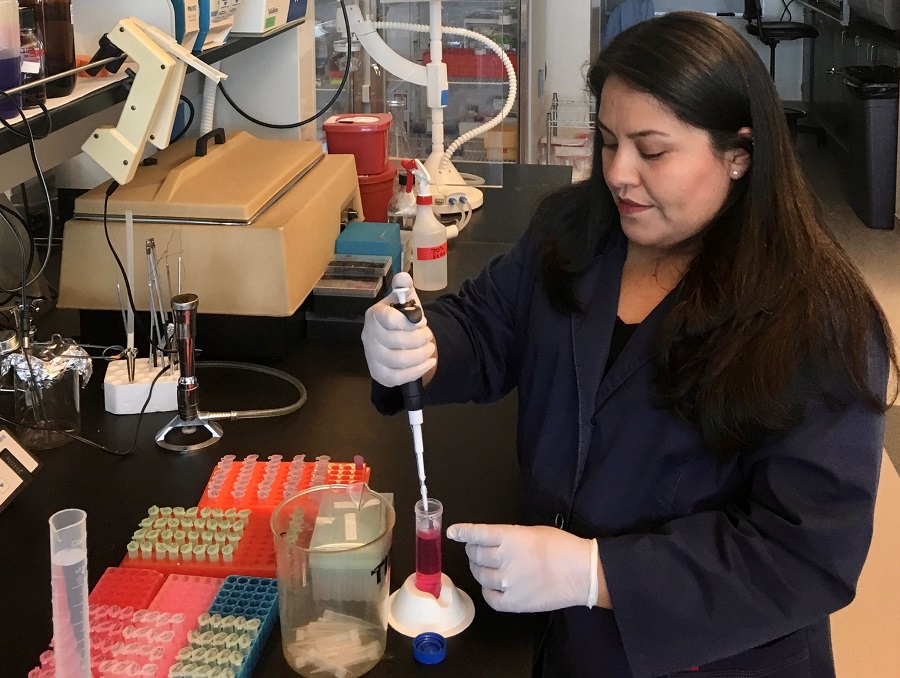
(189, 594)
(126, 587)
(126, 643)
(282, 478)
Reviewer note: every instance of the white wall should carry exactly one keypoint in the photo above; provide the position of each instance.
(568, 42)
(568, 46)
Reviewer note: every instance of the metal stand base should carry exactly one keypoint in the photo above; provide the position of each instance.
(188, 428)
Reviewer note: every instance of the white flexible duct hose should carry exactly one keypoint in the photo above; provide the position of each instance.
(208, 110)
(507, 64)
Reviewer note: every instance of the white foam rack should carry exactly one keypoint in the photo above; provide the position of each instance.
(122, 396)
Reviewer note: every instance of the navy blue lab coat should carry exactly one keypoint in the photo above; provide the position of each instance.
(732, 567)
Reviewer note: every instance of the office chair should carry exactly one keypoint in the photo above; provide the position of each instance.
(771, 33)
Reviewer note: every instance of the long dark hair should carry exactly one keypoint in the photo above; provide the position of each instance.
(770, 304)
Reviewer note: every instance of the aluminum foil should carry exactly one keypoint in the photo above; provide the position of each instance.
(49, 361)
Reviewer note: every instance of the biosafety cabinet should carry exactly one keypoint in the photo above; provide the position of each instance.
(478, 86)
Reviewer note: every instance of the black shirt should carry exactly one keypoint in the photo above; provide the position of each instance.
(620, 335)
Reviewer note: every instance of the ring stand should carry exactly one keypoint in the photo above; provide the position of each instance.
(411, 611)
(188, 431)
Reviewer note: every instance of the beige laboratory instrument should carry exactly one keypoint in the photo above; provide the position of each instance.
(254, 221)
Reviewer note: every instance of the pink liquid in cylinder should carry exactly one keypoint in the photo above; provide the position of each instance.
(428, 561)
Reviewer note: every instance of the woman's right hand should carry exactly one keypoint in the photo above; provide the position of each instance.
(398, 351)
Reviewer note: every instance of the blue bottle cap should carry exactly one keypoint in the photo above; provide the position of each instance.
(429, 648)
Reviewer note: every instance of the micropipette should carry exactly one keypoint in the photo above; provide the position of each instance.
(412, 392)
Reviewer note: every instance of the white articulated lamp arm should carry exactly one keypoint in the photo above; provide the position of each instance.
(447, 181)
(379, 50)
(152, 103)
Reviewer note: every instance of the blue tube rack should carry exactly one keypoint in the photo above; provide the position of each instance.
(251, 598)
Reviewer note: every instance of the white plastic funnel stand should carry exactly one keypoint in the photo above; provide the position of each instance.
(428, 600)
(411, 611)
(68, 580)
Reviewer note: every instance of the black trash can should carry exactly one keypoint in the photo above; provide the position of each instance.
(872, 121)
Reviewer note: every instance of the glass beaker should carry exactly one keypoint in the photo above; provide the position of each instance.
(399, 141)
(44, 412)
(47, 378)
(332, 546)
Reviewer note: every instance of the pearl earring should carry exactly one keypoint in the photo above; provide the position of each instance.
(734, 173)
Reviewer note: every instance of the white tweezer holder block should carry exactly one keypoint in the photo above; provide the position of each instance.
(124, 397)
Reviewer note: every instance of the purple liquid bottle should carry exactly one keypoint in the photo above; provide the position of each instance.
(10, 70)
(428, 547)
(10, 65)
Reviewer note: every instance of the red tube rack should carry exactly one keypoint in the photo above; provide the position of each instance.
(254, 557)
(126, 587)
(337, 474)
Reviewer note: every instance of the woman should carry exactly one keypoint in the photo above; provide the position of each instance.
(701, 378)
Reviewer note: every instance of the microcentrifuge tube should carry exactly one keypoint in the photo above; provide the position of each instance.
(428, 546)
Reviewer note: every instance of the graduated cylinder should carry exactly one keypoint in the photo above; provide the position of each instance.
(428, 546)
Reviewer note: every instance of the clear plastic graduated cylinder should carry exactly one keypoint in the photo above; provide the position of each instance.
(332, 546)
(428, 546)
(68, 582)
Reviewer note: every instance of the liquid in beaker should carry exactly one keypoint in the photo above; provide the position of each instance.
(428, 546)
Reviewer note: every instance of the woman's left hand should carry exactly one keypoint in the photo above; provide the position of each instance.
(530, 569)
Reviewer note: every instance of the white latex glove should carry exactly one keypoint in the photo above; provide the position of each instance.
(397, 351)
(530, 569)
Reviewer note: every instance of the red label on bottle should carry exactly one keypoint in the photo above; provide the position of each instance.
(431, 253)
